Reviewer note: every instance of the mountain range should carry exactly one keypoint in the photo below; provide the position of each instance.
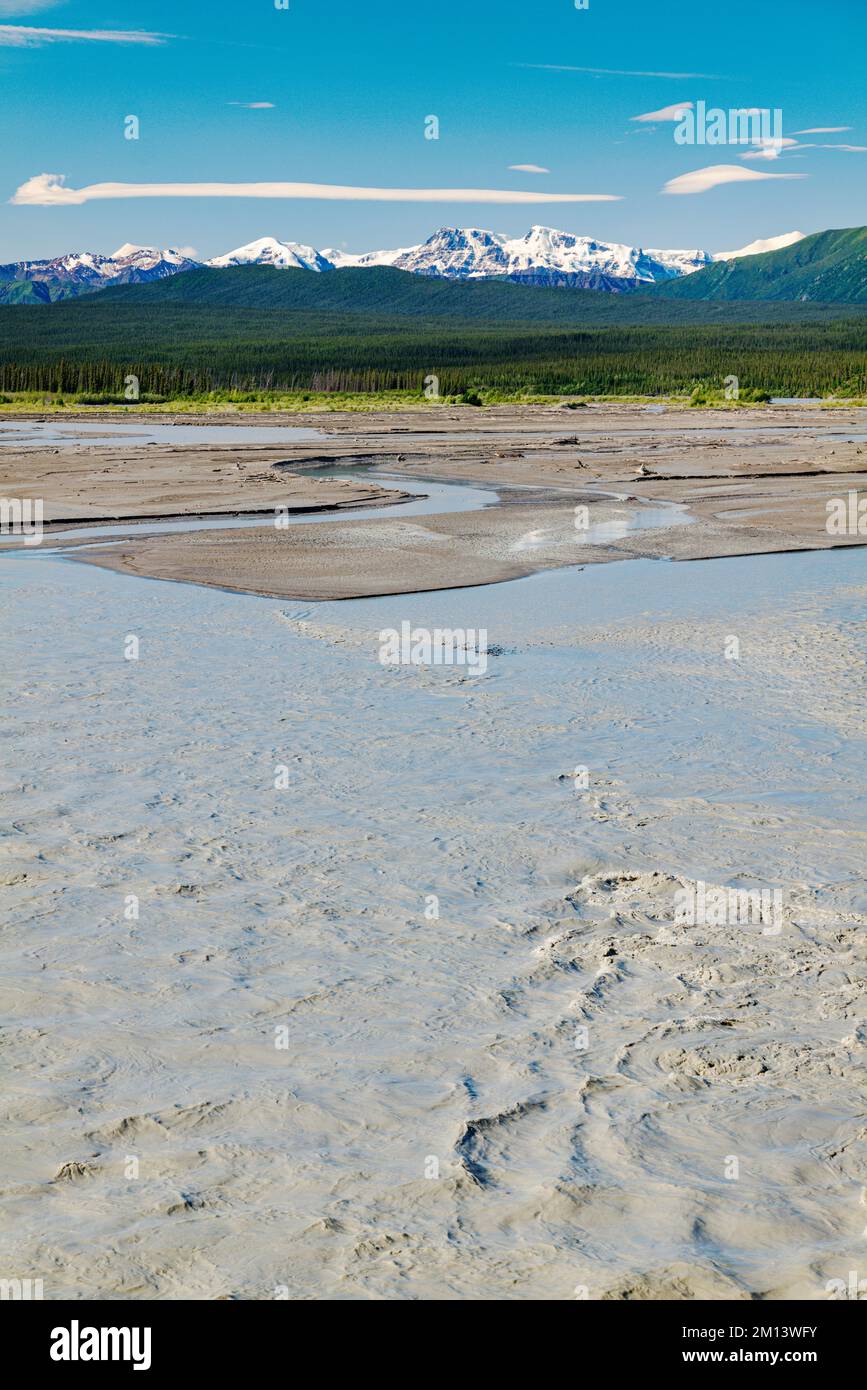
(85, 271)
(824, 268)
(544, 256)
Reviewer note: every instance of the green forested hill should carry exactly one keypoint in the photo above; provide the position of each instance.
(32, 291)
(380, 290)
(383, 292)
(827, 267)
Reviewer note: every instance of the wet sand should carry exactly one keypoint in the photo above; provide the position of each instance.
(751, 481)
(282, 1075)
(86, 482)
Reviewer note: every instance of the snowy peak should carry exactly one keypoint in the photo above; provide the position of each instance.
(365, 259)
(756, 248)
(546, 247)
(150, 257)
(282, 255)
(456, 253)
(544, 255)
(89, 269)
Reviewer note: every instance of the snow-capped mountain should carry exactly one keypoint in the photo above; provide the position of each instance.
(88, 269)
(458, 253)
(670, 265)
(544, 256)
(755, 248)
(341, 259)
(283, 255)
(139, 263)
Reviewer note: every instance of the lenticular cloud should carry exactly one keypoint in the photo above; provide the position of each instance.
(50, 190)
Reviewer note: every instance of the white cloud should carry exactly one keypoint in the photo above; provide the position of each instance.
(22, 36)
(49, 190)
(254, 105)
(666, 113)
(617, 72)
(700, 180)
(773, 148)
(823, 130)
(530, 168)
(16, 7)
(769, 147)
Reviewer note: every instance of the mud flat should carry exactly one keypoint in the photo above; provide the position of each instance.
(539, 1092)
(95, 482)
(752, 481)
(243, 1056)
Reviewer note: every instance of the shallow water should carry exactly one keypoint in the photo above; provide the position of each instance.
(327, 1088)
(414, 1044)
(429, 499)
(143, 431)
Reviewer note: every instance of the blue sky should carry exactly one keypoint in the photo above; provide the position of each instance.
(350, 83)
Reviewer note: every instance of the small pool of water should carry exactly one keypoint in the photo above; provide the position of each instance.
(428, 499)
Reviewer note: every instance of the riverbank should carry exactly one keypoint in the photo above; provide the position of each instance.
(574, 487)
